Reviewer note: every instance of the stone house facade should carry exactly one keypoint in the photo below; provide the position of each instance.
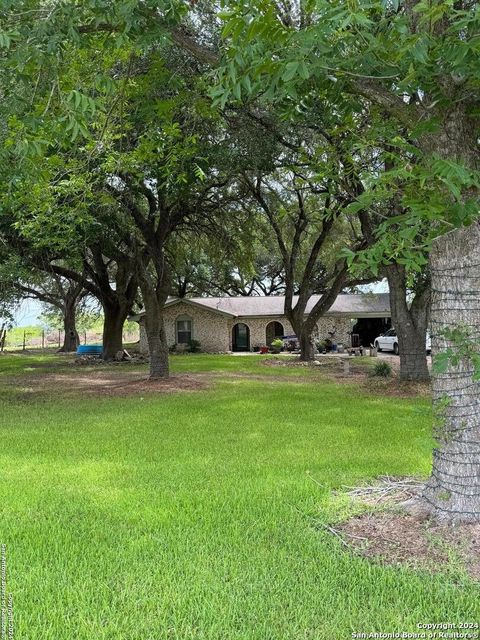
(247, 323)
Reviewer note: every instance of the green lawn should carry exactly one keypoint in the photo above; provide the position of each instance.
(193, 515)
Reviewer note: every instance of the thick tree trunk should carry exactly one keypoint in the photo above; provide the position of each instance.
(307, 348)
(453, 491)
(413, 357)
(410, 323)
(157, 345)
(71, 338)
(114, 319)
(3, 337)
(154, 298)
(304, 332)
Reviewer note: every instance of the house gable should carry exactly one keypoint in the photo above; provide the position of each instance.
(197, 302)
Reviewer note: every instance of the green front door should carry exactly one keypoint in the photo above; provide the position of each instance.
(241, 337)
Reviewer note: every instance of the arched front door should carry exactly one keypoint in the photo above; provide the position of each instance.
(272, 331)
(241, 337)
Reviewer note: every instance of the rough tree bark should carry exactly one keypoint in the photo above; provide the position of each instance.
(72, 295)
(410, 322)
(154, 278)
(453, 491)
(157, 342)
(154, 300)
(3, 337)
(114, 315)
(71, 338)
(307, 348)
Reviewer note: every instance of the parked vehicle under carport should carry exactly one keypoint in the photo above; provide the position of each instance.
(389, 342)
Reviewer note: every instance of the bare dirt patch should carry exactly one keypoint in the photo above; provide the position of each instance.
(401, 539)
(346, 367)
(173, 384)
(109, 383)
(394, 387)
(289, 362)
(393, 537)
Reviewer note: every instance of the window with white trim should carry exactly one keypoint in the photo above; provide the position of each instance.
(184, 330)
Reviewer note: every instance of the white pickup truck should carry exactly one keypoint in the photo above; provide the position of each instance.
(389, 342)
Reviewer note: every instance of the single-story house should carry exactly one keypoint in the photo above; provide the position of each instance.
(245, 323)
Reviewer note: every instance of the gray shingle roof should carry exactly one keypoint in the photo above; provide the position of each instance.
(351, 305)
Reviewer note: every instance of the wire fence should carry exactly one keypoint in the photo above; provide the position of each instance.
(19, 339)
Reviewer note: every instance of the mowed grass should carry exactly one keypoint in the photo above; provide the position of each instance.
(194, 515)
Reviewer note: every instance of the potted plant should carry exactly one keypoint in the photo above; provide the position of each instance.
(277, 345)
(324, 345)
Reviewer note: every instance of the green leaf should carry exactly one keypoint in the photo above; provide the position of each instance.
(441, 362)
(5, 40)
(303, 70)
(291, 69)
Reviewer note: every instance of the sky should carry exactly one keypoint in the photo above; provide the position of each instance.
(27, 313)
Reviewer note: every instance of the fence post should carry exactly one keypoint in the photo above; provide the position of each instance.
(24, 339)
(43, 338)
